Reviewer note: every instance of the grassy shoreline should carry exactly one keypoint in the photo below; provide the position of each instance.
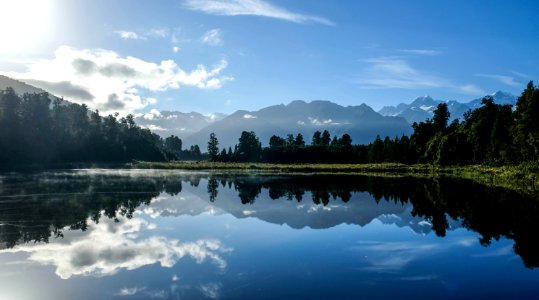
(522, 178)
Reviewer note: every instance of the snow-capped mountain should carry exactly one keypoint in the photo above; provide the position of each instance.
(361, 122)
(422, 108)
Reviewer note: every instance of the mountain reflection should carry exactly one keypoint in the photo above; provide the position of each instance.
(34, 207)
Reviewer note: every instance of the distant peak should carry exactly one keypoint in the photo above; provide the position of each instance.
(312, 103)
(423, 100)
(297, 102)
(426, 97)
(501, 94)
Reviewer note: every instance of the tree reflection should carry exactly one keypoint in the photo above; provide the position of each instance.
(35, 207)
(32, 208)
(213, 185)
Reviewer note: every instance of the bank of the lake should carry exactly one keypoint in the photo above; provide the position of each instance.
(522, 178)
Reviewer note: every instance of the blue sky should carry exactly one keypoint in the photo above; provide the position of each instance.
(221, 56)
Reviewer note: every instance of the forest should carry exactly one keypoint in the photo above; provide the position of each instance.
(36, 130)
(492, 134)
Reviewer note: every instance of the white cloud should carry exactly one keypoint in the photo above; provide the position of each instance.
(129, 291)
(129, 35)
(113, 81)
(175, 49)
(153, 114)
(154, 127)
(249, 116)
(471, 89)
(507, 80)
(395, 72)
(522, 75)
(178, 35)
(161, 32)
(318, 122)
(211, 290)
(422, 52)
(118, 248)
(252, 8)
(212, 38)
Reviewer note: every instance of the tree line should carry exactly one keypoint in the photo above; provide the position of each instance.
(37, 130)
(492, 134)
(34, 129)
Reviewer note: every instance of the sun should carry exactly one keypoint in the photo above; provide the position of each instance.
(24, 24)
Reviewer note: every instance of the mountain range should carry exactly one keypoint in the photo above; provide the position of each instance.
(361, 122)
(183, 125)
(361, 210)
(423, 107)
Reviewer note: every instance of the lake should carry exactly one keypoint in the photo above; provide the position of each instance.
(143, 234)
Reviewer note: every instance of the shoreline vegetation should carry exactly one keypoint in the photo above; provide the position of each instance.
(523, 178)
(494, 144)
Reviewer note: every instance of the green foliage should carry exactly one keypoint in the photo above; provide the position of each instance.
(249, 147)
(491, 134)
(325, 139)
(35, 131)
(174, 145)
(213, 149)
(317, 140)
(526, 129)
(440, 118)
(299, 142)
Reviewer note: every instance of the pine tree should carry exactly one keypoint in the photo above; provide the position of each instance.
(213, 149)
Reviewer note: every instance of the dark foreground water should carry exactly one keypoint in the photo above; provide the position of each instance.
(102, 234)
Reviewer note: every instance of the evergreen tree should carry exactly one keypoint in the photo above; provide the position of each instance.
(325, 139)
(526, 129)
(173, 144)
(223, 156)
(376, 151)
(346, 141)
(299, 142)
(317, 141)
(276, 142)
(213, 149)
(441, 117)
(249, 147)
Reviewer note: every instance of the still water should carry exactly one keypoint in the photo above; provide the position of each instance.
(139, 234)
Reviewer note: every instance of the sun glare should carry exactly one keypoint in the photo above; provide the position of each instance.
(24, 24)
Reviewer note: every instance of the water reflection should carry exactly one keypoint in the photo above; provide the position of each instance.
(107, 248)
(36, 207)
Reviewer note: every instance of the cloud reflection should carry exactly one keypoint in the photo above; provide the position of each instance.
(129, 291)
(395, 256)
(109, 247)
(211, 290)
